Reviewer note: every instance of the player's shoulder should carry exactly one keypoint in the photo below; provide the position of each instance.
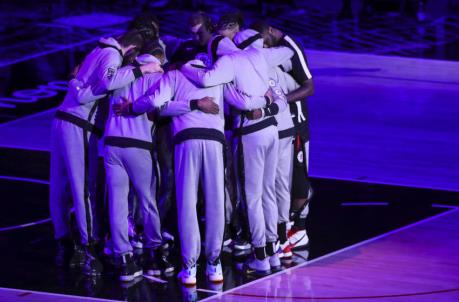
(292, 43)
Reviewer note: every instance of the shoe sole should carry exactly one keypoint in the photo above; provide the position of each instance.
(154, 273)
(249, 271)
(286, 255)
(131, 277)
(169, 270)
(219, 280)
(242, 247)
(189, 283)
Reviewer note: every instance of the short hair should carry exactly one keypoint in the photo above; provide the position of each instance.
(132, 37)
(143, 23)
(260, 26)
(153, 48)
(201, 17)
(229, 20)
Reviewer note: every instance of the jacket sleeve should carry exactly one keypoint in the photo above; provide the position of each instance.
(175, 108)
(83, 93)
(242, 101)
(279, 103)
(276, 56)
(157, 95)
(222, 72)
(110, 76)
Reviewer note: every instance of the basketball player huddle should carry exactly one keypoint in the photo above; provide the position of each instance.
(201, 136)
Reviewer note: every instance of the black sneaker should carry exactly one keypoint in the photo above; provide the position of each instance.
(241, 244)
(129, 269)
(79, 258)
(92, 265)
(158, 263)
(64, 252)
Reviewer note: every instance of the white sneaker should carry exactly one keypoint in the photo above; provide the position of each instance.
(298, 239)
(188, 275)
(274, 262)
(257, 267)
(214, 272)
(285, 251)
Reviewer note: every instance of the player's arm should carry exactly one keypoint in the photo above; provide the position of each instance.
(241, 100)
(158, 95)
(221, 73)
(276, 56)
(306, 89)
(112, 77)
(300, 72)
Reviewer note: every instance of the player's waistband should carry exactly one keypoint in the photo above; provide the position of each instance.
(256, 127)
(127, 142)
(82, 123)
(199, 133)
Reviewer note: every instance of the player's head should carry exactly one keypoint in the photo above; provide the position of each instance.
(147, 24)
(201, 28)
(271, 36)
(132, 41)
(230, 24)
(155, 49)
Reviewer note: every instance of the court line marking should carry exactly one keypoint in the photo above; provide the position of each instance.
(24, 179)
(440, 291)
(359, 244)
(438, 205)
(55, 295)
(208, 291)
(27, 117)
(375, 203)
(56, 50)
(388, 183)
(25, 225)
(154, 278)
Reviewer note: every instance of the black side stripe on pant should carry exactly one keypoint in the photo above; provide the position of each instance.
(87, 205)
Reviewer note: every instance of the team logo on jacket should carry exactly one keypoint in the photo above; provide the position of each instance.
(299, 157)
(111, 72)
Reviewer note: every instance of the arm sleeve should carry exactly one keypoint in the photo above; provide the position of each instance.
(175, 108)
(280, 100)
(156, 96)
(83, 93)
(242, 101)
(221, 73)
(275, 56)
(111, 76)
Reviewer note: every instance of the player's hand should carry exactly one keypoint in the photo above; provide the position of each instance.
(207, 105)
(122, 108)
(151, 68)
(254, 114)
(269, 94)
